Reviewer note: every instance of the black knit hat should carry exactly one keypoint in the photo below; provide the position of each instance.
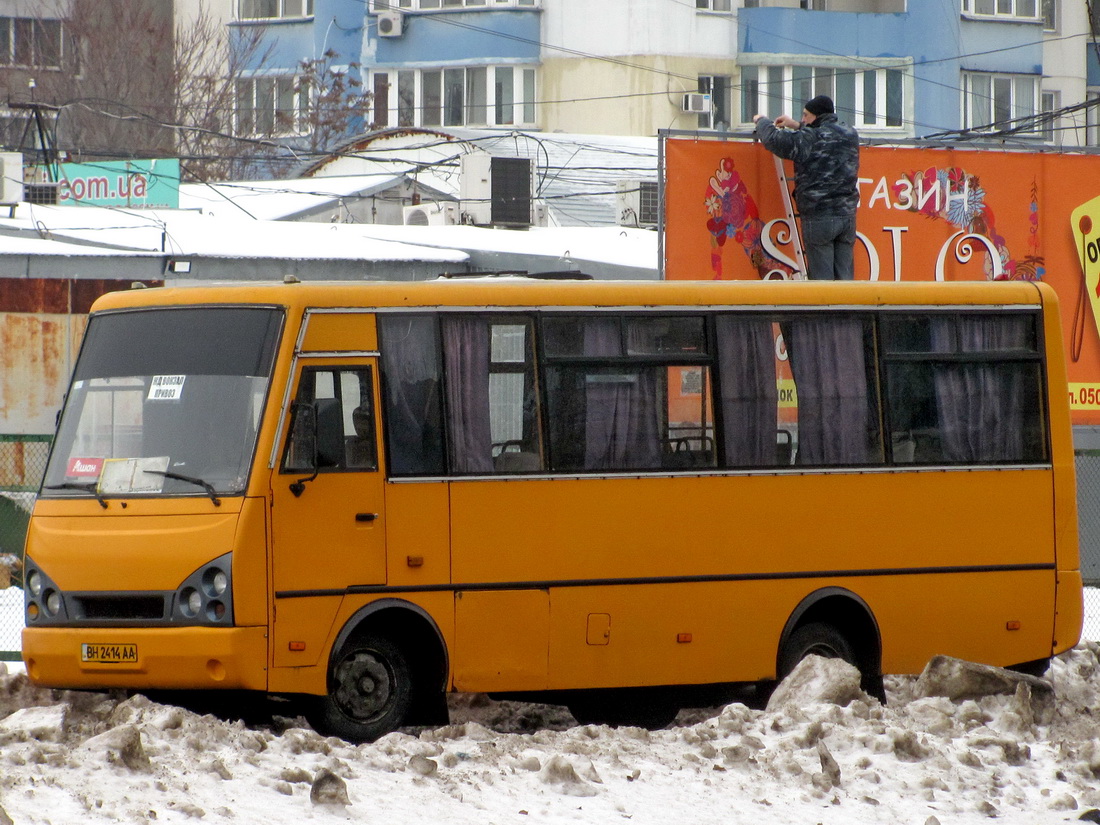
(820, 105)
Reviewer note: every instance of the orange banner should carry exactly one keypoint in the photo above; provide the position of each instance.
(925, 214)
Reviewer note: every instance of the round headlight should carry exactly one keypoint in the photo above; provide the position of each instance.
(190, 602)
(34, 583)
(215, 581)
(215, 611)
(53, 602)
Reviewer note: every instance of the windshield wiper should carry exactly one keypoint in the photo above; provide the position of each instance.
(206, 485)
(86, 486)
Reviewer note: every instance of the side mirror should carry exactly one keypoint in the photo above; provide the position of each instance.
(318, 438)
(329, 439)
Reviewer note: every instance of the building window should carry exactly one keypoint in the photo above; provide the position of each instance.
(1015, 9)
(30, 42)
(375, 6)
(1092, 118)
(720, 89)
(714, 5)
(272, 105)
(863, 97)
(814, 5)
(1050, 15)
(461, 96)
(994, 101)
(1051, 102)
(273, 9)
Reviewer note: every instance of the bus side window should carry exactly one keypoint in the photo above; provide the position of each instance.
(348, 393)
(492, 405)
(749, 392)
(411, 397)
(964, 388)
(831, 359)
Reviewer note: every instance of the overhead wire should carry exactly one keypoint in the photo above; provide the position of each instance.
(1001, 129)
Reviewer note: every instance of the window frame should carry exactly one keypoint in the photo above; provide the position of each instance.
(989, 119)
(972, 8)
(565, 370)
(307, 377)
(294, 86)
(430, 6)
(303, 11)
(420, 96)
(11, 52)
(1092, 118)
(714, 6)
(887, 88)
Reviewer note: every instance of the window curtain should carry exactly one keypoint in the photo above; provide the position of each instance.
(621, 422)
(466, 356)
(983, 407)
(834, 416)
(749, 398)
(410, 364)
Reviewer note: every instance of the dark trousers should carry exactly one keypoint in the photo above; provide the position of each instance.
(828, 242)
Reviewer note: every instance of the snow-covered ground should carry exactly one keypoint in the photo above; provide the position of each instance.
(817, 755)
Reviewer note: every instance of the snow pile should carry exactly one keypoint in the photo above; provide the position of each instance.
(821, 753)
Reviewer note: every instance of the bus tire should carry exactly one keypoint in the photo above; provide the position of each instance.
(369, 691)
(815, 638)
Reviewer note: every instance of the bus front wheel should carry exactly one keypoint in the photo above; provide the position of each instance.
(369, 691)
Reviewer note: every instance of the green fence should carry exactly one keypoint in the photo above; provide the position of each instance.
(22, 464)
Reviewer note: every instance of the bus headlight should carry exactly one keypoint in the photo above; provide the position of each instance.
(214, 582)
(43, 600)
(190, 602)
(53, 602)
(206, 596)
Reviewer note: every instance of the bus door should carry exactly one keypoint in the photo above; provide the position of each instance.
(327, 498)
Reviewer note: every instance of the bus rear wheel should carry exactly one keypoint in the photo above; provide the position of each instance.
(825, 640)
(814, 639)
(369, 691)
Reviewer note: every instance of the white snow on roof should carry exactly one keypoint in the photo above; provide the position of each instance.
(273, 200)
(227, 232)
(605, 244)
(82, 230)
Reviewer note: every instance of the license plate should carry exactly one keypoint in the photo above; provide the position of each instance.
(109, 654)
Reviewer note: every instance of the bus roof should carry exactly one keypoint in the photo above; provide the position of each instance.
(530, 292)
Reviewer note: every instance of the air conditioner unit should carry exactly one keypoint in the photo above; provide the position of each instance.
(391, 24)
(495, 190)
(11, 178)
(431, 214)
(637, 202)
(696, 103)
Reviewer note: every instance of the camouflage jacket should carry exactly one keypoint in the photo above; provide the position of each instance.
(826, 164)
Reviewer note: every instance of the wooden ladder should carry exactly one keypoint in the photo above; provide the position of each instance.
(792, 222)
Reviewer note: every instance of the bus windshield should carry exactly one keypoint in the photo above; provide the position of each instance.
(165, 402)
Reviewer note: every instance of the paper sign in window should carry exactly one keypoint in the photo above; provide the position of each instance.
(127, 475)
(166, 387)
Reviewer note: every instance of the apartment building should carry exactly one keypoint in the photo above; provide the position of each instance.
(88, 77)
(897, 68)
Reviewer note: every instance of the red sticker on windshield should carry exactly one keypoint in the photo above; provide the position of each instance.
(84, 467)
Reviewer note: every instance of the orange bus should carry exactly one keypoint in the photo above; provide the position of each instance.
(617, 496)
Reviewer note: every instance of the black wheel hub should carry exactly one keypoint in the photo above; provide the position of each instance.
(363, 685)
